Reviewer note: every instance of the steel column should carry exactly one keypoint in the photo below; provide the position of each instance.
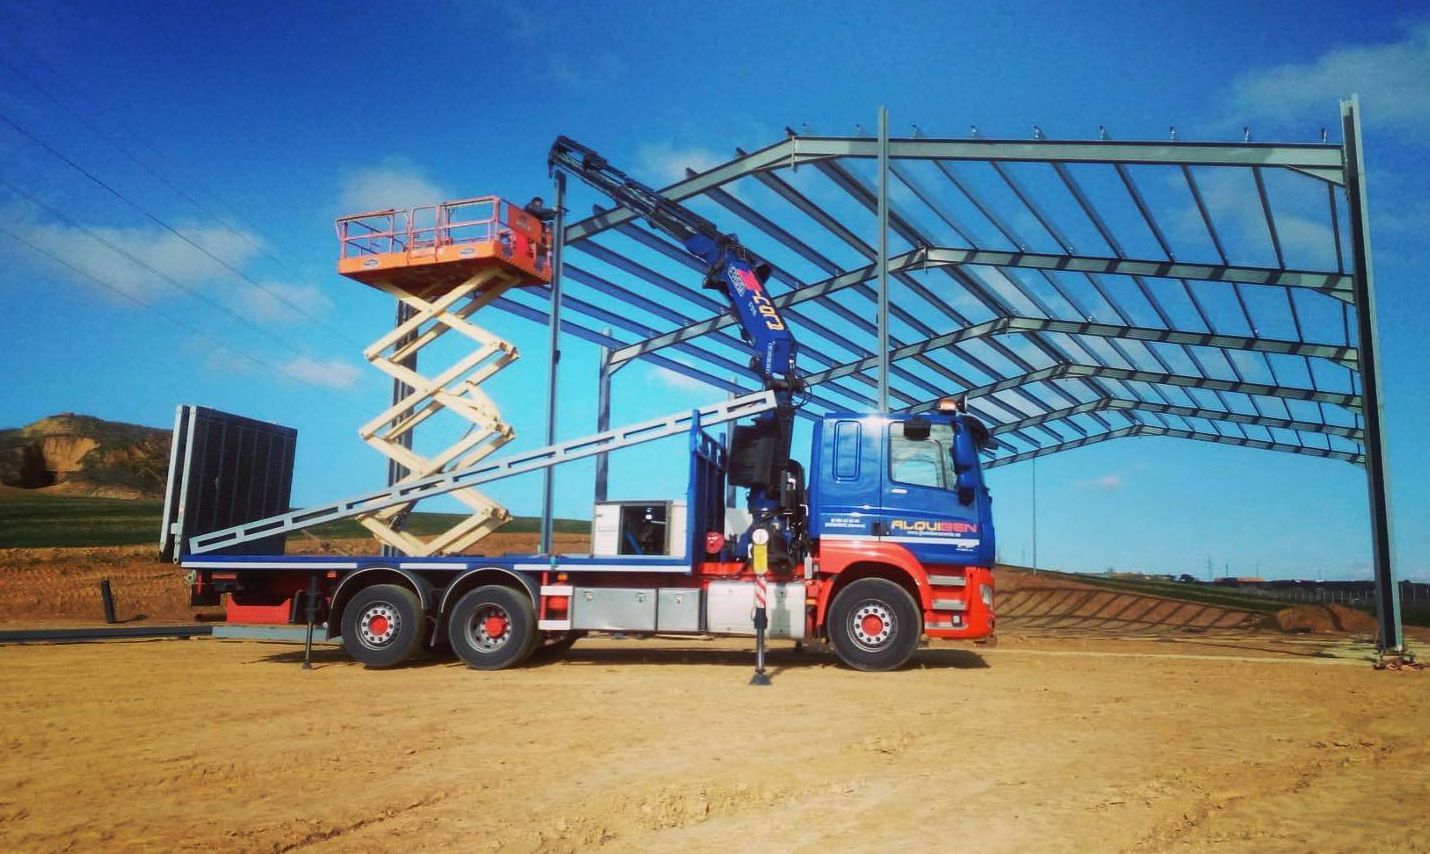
(1377, 469)
(553, 353)
(603, 417)
(883, 262)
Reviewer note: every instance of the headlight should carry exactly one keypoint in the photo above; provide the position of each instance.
(985, 591)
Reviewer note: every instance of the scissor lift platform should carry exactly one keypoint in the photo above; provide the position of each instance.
(428, 250)
(442, 263)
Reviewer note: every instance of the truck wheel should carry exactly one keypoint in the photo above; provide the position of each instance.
(383, 625)
(874, 624)
(493, 627)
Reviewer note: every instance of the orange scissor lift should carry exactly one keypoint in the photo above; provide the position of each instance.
(442, 263)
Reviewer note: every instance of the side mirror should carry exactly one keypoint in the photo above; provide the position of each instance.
(965, 461)
(982, 436)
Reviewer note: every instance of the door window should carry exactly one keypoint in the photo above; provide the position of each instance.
(846, 450)
(928, 462)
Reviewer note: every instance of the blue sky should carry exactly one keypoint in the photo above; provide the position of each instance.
(248, 128)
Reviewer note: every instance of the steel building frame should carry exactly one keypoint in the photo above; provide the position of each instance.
(1070, 307)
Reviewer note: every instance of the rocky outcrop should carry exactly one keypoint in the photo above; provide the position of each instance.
(83, 455)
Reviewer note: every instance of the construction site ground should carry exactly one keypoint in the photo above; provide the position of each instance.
(1100, 722)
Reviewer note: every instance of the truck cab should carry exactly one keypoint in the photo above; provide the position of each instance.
(905, 479)
(901, 499)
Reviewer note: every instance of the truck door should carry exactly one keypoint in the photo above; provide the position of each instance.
(920, 507)
(846, 473)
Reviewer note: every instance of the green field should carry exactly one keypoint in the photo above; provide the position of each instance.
(41, 521)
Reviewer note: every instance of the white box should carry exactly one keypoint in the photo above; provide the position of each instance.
(730, 608)
(612, 533)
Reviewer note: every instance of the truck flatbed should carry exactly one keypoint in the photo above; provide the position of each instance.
(511, 562)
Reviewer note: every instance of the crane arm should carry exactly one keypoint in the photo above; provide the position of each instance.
(730, 268)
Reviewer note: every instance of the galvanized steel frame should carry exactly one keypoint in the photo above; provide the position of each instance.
(1045, 380)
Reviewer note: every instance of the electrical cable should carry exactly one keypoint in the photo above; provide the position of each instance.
(39, 60)
(156, 273)
(161, 223)
(164, 314)
(266, 248)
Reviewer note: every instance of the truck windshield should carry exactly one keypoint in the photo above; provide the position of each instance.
(928, 462)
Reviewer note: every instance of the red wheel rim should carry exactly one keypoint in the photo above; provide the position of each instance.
(489, 628)
(494, 625)
(872, 625)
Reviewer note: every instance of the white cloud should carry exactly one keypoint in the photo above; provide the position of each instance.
(395, 183)
(598, 70)
(167, 265)
(1106, 483)
(1390, 78)
(677, 380)
(221, 360)
(328, 373)
(162, 251)
(1298, 205)
(333, 373)
(665, 164)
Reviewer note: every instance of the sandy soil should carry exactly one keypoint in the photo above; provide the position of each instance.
(1042, 744)
(1102, 721)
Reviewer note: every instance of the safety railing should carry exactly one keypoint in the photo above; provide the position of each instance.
(426, 228)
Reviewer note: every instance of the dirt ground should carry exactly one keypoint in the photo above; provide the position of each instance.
(1062, 744)
(1102, 721)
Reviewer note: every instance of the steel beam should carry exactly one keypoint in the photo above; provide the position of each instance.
(1137, 430)
(603, 417)
(1322, 161)
(1079, 442)
(553, 361)
(1377, 468)
(1245, 442)
(1003, 325)
(1069, 371)
(1126, 404)
(770, 157)
(1335, 284)
(882, 343)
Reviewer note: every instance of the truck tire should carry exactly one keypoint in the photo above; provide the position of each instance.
(874, 624)
(493, 627)
(383, 625)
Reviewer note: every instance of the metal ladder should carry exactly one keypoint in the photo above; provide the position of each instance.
(454, 389)
(409, 491)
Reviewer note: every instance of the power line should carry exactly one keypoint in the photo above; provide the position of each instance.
(164, 225)
(98, 108)
(164, 314)
(156, 273)
(157, 175)
(285, 259)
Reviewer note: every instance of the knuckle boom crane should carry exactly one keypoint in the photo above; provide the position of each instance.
(761, 451)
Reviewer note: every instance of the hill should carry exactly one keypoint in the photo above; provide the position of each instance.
(69, 454)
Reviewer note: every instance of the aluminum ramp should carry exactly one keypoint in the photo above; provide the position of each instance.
(412, 491)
